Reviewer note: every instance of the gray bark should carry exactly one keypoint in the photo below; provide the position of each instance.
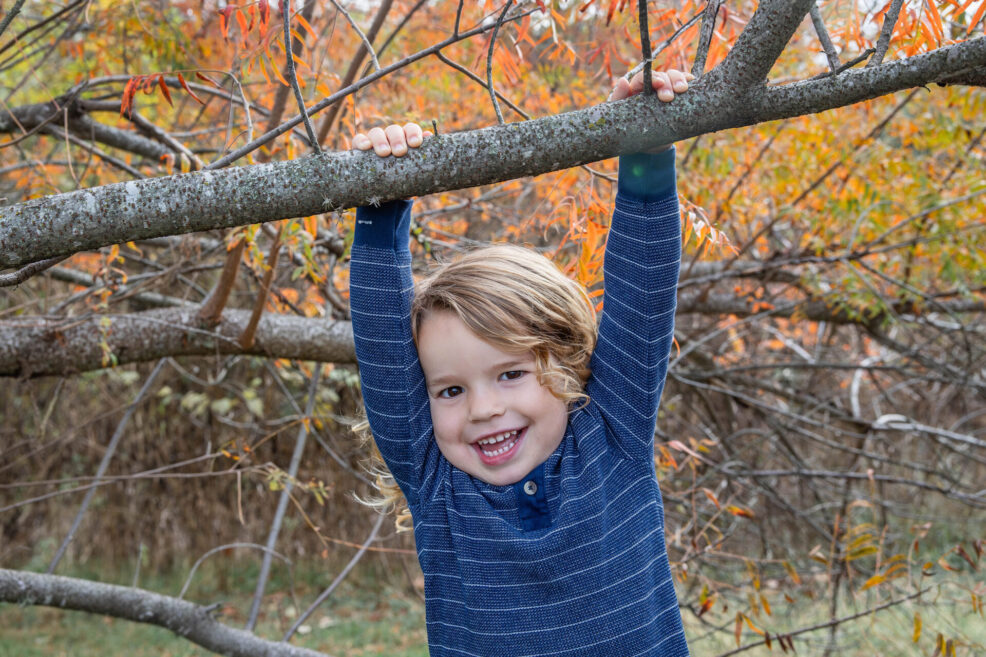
(50, 116)
(38, 346)
(732, 95)
(185, 619)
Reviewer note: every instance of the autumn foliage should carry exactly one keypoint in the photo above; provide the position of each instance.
(822, 438)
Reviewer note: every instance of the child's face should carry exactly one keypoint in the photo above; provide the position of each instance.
(492, 418)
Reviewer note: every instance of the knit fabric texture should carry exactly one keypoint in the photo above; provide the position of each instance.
(575, 563)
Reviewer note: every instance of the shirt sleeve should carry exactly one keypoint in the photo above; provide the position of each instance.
(391, 379)
(636, 330)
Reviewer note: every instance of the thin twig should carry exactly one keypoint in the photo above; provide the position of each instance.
(822, 626)
(198, 562)
(709, 17)
(282, 503)
(478, 80)
(645, 46)
(489, 61)
(323, 596)
(886, 32)
(11, 13)
(823, 38)
(353, 88)
(98, 152)
(458, 18)
(104, 463)
(354, 66)
(366, 42)
(166, 139)
(24, 273)
(293, 75)
(667, 42)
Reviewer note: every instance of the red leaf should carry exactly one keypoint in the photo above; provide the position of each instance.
(184, 85)
(164, 88)
(224, 20)
(241, 19)
(126, 102)
(208, 79)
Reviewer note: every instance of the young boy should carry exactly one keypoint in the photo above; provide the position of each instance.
(523, 443)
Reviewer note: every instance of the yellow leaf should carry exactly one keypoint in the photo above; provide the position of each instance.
(917, 626)
(873, 581)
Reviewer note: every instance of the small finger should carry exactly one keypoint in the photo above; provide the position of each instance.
(398, 142)
(362, 142)
(662, 84)
(678, 81)
(413, 134)
(620, 90)
(380, 144)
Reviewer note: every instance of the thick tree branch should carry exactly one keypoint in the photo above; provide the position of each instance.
(111, 214)
(41, 116)
(185, 619)
(761, 43)
(39, 347)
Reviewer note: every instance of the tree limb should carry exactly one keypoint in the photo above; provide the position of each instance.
(99, 216)
(38, 347)
(186, 619)
(45, 347)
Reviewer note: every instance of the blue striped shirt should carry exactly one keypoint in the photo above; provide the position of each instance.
(576, 565)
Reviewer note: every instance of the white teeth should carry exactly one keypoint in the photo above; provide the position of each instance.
(499, 438)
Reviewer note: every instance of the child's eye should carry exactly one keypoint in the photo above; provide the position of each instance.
(450, 392)
(512, 374)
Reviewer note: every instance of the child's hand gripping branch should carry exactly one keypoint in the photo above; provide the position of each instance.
(523, 443)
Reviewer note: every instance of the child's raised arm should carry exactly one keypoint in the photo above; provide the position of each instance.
(643, 253)
(381, 290)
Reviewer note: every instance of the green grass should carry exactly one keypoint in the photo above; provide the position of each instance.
(361, 619)
(374, 617)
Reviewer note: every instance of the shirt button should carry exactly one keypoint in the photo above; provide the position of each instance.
(530, 488)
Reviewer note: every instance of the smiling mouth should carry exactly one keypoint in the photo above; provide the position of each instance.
(500, 447)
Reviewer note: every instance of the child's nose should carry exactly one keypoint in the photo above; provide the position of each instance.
(484, 406)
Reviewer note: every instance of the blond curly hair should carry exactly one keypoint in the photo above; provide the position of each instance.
(518, 301)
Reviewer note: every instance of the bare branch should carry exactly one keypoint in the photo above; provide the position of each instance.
(333, 112)
(324, 595)
(185, 619)
(489, 61)
(353, 88)
(824, 39)
(24, 273)
(11, 14)
(830, 623)
(38, 347)
(90, 218)
(645, 53)
(367, 45)
(293, 74)
(104, 463)
(219, 548)
(886, 32)
(282, 503)
(709, 17)
(246, 339)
